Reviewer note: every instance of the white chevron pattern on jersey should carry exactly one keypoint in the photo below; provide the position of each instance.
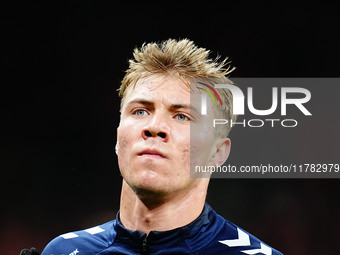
(69, 235)
(244, 240)
(92, 231)
(263, 250)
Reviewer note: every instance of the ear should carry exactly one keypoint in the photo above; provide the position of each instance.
(221, 152)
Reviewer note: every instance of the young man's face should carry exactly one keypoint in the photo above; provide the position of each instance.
(153, 138)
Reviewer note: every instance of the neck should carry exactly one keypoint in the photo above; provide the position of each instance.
(139, 213)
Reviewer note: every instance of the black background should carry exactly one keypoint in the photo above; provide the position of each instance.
(61, 64)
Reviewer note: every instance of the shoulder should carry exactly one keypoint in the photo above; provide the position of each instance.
(231, 239)
(89, 241)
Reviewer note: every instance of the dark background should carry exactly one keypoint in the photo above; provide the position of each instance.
(61, 64)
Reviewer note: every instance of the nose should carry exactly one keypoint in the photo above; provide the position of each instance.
(157, 128)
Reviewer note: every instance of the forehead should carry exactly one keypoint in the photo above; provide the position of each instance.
(156, 87)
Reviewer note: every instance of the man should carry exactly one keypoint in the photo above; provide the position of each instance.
(163, 208)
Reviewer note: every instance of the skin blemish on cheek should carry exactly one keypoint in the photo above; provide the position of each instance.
(186, 156)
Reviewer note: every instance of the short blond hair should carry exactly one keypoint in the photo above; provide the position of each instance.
(184, 60)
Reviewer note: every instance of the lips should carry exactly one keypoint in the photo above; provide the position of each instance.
(152, 153)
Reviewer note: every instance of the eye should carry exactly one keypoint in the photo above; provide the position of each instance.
(182, 117)
(140, 112)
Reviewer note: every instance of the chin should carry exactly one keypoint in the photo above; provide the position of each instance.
(141, 178)
(152, 181)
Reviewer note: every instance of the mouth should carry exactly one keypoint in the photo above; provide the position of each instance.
(151, 153)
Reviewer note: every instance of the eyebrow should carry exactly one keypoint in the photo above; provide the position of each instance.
(172, 106)
(141, 101)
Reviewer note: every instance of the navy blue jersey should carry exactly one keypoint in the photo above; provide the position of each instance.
(208, 234)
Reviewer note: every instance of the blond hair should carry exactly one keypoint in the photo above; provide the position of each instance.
(184, 60)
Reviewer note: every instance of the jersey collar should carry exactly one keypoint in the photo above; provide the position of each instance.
(190, 237)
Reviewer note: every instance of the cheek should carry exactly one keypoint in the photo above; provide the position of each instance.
(200, 149)
(122, 144)
(183, 147)
(185, 159)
